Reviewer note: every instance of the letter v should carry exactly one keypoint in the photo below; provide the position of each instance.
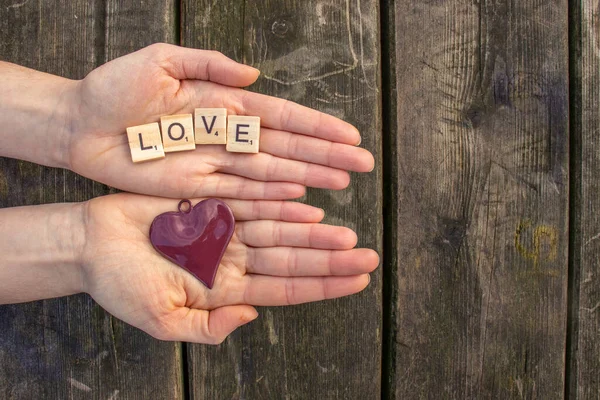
(212, 124)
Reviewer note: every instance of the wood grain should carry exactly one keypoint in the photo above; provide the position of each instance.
(482, 199)
(480, 195)
(585, 348)
(324, 55)
(70, 347)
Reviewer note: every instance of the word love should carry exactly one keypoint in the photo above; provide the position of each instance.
(240, 134)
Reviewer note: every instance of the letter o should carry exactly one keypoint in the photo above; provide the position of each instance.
(180, 127)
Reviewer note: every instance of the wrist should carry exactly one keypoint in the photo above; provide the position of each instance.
(78, 239)
(66, 237)
(42, 250)
(64, 123)
(37, 115)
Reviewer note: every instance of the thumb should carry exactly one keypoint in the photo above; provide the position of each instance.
(201, 326)
(206, 65)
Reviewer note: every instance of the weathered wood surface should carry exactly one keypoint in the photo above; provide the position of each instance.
(482, 193)
(585, 308)
(70, 347)
(325, 55)
(478, 178)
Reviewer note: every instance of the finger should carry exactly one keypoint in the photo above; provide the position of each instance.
(277, 233)
(290, 211)
(201, 326)
(289, 261)
(265, 167)
(206, 65)
(285, 115)
(139, 207)
(318, 151)
(275, 291)
(176, 177)
(231, 186)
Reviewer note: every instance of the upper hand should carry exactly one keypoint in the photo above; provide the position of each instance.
(298, 146)
(278, 255)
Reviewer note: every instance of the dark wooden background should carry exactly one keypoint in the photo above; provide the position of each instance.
(484, 120)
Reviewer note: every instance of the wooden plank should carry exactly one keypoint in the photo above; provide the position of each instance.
(324, 55)
(70, 347)
(585, 308)
(134, 24)
(147, 368)
(45, 347)
(215, 372)
(482, 228)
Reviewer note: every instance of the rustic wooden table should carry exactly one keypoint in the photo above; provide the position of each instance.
(484, 120)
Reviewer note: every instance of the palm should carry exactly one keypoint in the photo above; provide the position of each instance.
(268, 262)
(299, 146)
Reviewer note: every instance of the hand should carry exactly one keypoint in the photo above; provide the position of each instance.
(299, 146)
(278, 255)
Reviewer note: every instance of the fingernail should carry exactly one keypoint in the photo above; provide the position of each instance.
(359, 141)
(257, 70)
(253, 317)
(369, 276)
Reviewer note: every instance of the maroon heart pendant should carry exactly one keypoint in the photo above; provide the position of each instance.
(195, 238)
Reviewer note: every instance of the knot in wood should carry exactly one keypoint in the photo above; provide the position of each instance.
(281, 27)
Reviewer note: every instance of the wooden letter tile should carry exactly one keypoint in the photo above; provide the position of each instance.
(145, 143)
(178, 132)
(211, 125)
(243, 134)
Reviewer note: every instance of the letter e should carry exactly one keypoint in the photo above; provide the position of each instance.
(238, 133)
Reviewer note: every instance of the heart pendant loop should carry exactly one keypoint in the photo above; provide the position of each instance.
(187, 209)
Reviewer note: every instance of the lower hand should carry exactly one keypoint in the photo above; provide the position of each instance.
(279, 255)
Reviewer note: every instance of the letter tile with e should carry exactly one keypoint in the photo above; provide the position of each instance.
(243, 134)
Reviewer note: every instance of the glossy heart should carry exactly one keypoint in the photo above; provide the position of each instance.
(195, 238)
